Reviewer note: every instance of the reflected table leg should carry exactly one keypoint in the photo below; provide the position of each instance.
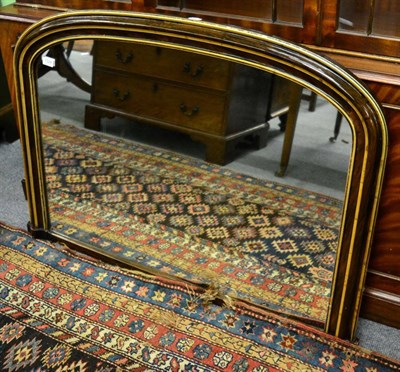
(295, 98)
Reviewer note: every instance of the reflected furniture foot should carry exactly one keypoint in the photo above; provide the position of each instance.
(222, 150)
(93, 117)
(312, 98)
(219, 149)
(279, 101)
(283, 121)
(336, 130)
(290, 129)
(281, 172)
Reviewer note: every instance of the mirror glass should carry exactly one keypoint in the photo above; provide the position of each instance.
(196, 168)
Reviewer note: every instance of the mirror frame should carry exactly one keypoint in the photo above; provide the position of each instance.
(271, 54)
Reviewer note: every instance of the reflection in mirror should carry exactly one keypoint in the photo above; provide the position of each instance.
(125, 137)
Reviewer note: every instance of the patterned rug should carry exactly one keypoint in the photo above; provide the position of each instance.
(65, 312)
(263, 242)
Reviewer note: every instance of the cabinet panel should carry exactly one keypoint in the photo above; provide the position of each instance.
(289, 11)
(255, 8)
(386, 18)
(354, 16)
(169, 3)
(356, 25)
(296, 20)
(362, 26)
(380, 17)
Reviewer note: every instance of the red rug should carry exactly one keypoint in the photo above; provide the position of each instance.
(63, 312)
(263, 242)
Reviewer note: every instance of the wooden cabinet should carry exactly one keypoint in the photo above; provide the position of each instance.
(181, 91)
(292, 19)
(353, 25)
(362, 26)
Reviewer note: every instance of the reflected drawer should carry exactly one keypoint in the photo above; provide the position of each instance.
(164, 63)
(156, 99)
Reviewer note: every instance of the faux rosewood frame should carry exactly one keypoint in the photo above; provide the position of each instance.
(286, 59)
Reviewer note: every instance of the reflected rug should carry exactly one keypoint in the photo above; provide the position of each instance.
(253, 239)
(60, 311)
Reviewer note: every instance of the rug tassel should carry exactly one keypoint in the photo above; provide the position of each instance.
(216, 292)
(168, 318)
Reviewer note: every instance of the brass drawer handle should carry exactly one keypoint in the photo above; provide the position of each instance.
(187, 68)
(119, 96)
(128, 58)
(184, 109)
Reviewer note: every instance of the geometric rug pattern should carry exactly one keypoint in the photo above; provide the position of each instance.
(266, 243)
(242, 228)
(60, 311)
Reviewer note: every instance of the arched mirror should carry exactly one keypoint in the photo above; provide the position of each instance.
(247, 167)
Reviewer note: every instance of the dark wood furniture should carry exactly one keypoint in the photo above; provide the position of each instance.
(218, 103)
(363, 36)
(59, 61)
(8, 126)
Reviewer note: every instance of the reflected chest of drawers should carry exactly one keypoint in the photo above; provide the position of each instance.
(216, 102)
